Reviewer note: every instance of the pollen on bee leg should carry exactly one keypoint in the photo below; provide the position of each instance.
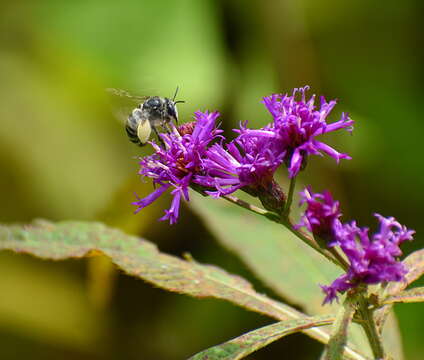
(144, 130)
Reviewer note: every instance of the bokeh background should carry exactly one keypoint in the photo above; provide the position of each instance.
(64, 156)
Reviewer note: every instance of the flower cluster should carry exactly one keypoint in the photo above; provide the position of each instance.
(372, 259)
(297, 122)
(176, 163)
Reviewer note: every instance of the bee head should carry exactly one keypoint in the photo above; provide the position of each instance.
(171, 109)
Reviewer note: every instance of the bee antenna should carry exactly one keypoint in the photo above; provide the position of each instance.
(179, 101)
(176, 92)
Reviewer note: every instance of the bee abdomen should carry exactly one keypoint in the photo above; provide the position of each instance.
(132, 126)
(132, 135)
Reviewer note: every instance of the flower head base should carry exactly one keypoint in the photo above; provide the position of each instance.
(297, 121)
(186, 128)
(177, 163)
(371, 260)
(322, 214)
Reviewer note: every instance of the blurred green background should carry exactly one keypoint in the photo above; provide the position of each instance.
(63, 155)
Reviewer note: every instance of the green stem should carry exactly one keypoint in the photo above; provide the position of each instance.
(250, 207)
(344, 264)
(244, 204)
(309, 241)
(368, 324)
(339, 332)
(289, 200)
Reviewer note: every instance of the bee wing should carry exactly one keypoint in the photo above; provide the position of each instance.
(122, 103)
(121, 113)
(126, 94)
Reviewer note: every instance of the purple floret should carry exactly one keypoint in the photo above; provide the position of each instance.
(176, 164)
(296, 124)
(322, 214)
(372, 260)
(245, 161)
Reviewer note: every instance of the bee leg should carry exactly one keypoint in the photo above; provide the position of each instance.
(170, 129)
(158, 136)
(166, 128)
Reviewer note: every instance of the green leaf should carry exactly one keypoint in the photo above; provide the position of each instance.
(339, 333)
(391, 337)
(139, 258)
(415, 265)
(384, 317)
(407, 296)
(142, 259)
(252, 341)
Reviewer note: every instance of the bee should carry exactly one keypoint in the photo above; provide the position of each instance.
(151, 113)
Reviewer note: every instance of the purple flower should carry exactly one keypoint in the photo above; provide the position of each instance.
(296, 124)
(372, 260)
(245, 161)
(176, 164)
(322, 214)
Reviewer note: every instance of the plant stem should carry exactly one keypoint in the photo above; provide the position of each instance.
(339, 332)
(257, 210)
(370, 328)
(245, 205)
(289, 200)
(339, 258)
(309, 241)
